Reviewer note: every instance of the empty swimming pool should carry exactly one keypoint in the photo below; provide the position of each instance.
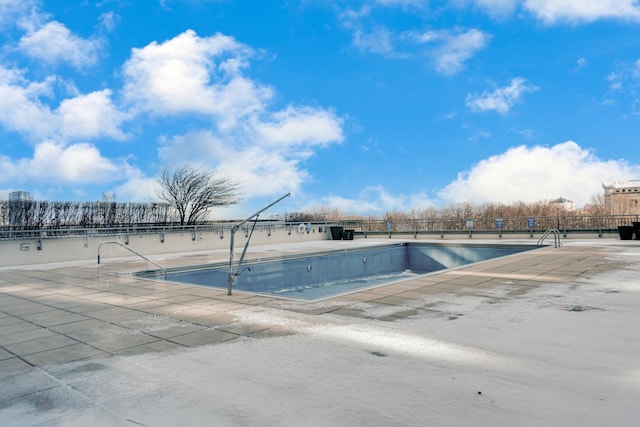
(320, 275)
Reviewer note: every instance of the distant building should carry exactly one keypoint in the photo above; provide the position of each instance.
(109, 197)
(20, 196)
(17, 210)
(622, 197)
(565, 205)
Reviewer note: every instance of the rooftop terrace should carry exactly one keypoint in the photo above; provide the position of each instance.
(542, 337)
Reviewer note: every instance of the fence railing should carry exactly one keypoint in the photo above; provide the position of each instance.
(519, 224)
(222, 228)
(605, 223)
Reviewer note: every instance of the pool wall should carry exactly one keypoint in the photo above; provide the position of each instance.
(50, 249)
(364, 265)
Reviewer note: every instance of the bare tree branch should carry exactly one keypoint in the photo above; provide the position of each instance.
(193, 192)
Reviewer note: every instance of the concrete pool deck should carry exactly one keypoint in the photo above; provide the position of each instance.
(67, 331)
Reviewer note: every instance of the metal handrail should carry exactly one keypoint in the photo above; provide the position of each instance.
(556, 237)
(109, 231)
(164, 270)
(232, 276)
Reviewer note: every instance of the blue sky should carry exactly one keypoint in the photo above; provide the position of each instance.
(363, 106)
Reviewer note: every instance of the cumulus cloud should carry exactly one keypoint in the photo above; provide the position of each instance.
(200, 148)
(241, 135)
(261, 171)
(266, 155)
(502, 99)
(451, 49)
(247, 140)
(298, 126)
(21, 109)
(537, 173)
(191, 74)
(13, 10)
(77, 163)
(552, 11)
(91, 115)
(376, 200)
(138, 188)
(524, 173)
(85, 116)
(560, 11)
(55, 43)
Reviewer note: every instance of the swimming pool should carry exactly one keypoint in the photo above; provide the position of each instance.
(326, 274)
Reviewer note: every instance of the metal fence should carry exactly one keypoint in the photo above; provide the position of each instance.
(519, 224)
(607, 223)
(222, 228)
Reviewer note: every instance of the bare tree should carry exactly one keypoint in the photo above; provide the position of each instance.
(192, 192)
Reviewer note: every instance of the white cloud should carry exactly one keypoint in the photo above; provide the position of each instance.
(377, 41)
(108, 21)
(12, 10)
(75, 163)
(266, 155)
(199, 148)
(502, 99)
(91, 115)
(350, 18)
(552, 11)
(138, 188)
(54, 43)
(263, 149)
(84, 116)
(264, 172)
(298, 126)
(51, 162)
(494, 8)
(376, 200)
(20, 109)
(580, 64)
(181, 75)
(531, 174)
(528, 174)
(401, 3)
(452, 49)
(242, 137)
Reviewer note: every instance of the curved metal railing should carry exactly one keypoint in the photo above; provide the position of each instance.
(164, 270)
(556, 237)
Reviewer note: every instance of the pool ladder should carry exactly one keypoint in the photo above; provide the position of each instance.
(233, 275)
(164, 270)
(556, 237)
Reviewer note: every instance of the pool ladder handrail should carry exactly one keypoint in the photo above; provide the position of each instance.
(232, 275)
(164, 270)
(556, 237)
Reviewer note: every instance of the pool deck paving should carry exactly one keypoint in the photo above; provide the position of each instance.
(52, 315)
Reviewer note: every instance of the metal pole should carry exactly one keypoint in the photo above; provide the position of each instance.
(234, 229)
(230, 278)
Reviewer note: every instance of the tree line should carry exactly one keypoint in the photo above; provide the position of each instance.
(30, 214)
(542, 208)
(184, 196)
